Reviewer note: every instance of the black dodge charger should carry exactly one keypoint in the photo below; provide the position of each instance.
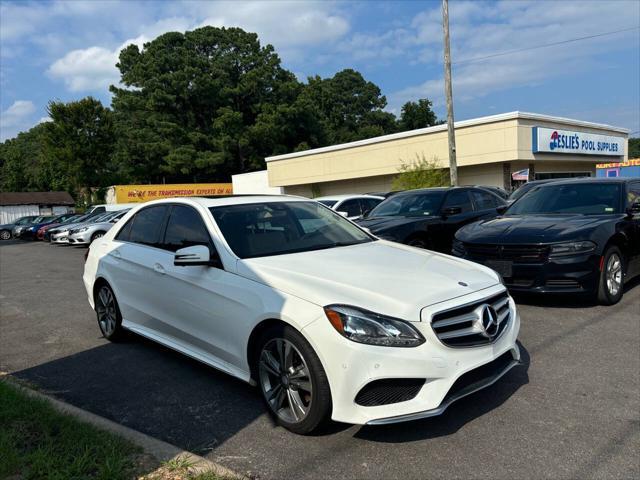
(573, 236)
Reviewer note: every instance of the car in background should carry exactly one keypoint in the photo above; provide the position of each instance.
(109, 207)
(384, 194)
(40, 234)
(61, 234)
(351, 206)
(571, 236)
(526, 187)
(326, 320)
(7, 230)
(85, 235)
(429, 218)
(30, 232)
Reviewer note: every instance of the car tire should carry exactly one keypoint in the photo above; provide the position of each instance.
(96, 236)
(292, 381)
(5, 234)
(108, 313)
(611, 284)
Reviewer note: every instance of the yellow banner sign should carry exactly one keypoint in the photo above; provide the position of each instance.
(144, 193)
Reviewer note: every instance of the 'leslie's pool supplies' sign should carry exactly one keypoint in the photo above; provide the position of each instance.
(550, 140)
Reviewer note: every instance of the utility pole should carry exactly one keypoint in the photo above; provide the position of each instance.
(453, 165)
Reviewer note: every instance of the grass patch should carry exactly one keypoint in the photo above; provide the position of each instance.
(38, 442)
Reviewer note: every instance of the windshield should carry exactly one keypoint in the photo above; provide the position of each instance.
(424, 203)
(328, 203)
(277, 228)
(516, 194)
(579, 198)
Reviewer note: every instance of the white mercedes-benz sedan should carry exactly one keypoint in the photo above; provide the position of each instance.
(282, 292)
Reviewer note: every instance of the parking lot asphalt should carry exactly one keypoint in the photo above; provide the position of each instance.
(572, 410)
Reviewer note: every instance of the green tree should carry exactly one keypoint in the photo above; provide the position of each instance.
(199, 105)
(78, 145)
(634, 148)
(417, 115)
(349, 107)
(421, 173)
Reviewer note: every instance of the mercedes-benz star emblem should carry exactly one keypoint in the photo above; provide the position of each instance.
(489, 321)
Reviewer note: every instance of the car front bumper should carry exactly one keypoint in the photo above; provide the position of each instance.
(351, 367)
(570, 274)
(83, 238)
(61, 237)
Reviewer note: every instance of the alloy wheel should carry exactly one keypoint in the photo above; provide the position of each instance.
(106, 310)
(5, 235)
(285, 380)
(614, 274)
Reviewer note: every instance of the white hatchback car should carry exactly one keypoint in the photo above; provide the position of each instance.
(282, 292)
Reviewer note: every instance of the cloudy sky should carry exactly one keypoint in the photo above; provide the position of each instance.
(68, 49)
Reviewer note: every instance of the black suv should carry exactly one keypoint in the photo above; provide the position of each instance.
(429, 217)
(568, 236)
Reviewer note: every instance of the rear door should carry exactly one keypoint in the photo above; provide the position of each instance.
(133, 267)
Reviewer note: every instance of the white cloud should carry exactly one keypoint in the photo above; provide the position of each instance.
(290, 26)
(15, 118)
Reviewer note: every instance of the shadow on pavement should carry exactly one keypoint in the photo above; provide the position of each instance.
(154, 390)
(458, 414)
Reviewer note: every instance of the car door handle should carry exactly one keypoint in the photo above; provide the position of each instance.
(159, 269)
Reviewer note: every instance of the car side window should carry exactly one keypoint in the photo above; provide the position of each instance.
(144, 227)
(459, 198)
(352, 207)
(483, 200)
(369, 204)
(185, 228)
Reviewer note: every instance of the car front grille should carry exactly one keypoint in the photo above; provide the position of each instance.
(468, 325)
(517, 253)
(388, 391)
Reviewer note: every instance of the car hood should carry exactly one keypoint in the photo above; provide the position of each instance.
(378, 224)
(380, 276)
(530, 228)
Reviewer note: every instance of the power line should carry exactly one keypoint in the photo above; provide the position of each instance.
(509, 52)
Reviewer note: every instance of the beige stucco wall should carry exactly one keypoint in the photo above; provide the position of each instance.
(475, 145)
(482, 149)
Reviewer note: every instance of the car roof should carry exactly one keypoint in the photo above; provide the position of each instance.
(345, 196)
(569, 181)
(225, 200)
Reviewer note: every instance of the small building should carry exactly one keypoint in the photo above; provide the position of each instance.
(254, 183)
(14, 205)
(630, 168)
(499, 150)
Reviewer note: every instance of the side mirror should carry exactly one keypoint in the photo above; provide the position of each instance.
(366, 213)
(198, 255)
(501, 209)
(344, 214)
(447, 212)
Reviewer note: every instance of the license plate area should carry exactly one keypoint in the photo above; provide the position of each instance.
(503, 267)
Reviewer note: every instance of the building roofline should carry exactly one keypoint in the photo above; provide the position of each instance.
(439, 128)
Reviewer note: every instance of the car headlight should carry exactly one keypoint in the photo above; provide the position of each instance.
(571, 248)
(371, 328)
(84, 229)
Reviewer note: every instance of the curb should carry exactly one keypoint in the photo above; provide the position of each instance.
(161, 451)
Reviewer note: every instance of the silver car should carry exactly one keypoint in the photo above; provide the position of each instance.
(61, 234)
(85, 234)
